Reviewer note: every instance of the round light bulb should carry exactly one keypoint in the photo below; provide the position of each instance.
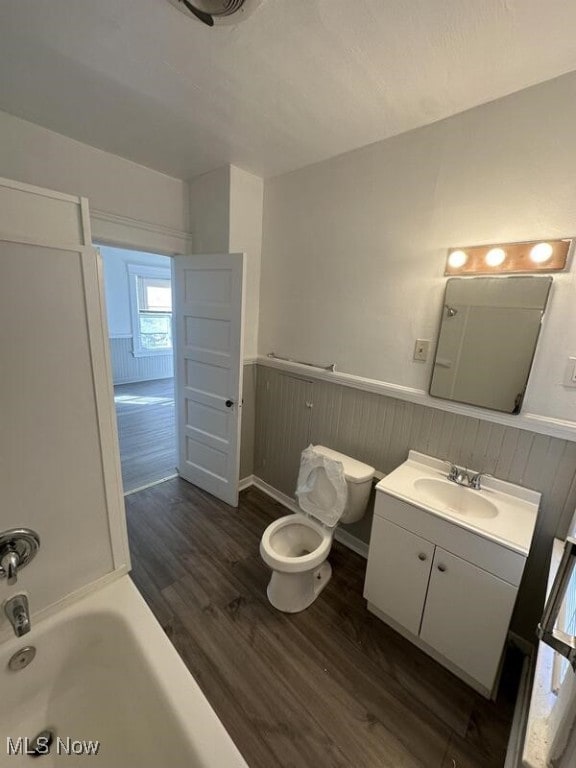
(457, 259)
(495, 257)
(541, 252)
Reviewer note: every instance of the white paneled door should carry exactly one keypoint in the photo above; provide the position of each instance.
(208, 324)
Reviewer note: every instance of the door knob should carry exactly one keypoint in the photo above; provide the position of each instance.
(422, 556)
(441, 568)
(229, 403)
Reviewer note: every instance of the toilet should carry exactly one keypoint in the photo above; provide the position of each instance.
(331, 488)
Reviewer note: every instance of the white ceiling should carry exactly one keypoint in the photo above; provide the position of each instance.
(297, 82)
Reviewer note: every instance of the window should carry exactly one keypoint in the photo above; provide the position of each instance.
(151, 305)
(566, 623)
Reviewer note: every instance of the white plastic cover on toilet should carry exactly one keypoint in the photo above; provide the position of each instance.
(321, 488)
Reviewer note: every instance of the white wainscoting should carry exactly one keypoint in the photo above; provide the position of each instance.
(127, 369)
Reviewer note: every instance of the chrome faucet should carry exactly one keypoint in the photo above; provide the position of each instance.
(458, 475)
(18, 547)
(463, 477)
(9, 562)
(474, 481)
(18, 613)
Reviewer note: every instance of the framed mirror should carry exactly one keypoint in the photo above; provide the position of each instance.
(488, 333)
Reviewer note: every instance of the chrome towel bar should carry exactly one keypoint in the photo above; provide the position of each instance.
(274, 356)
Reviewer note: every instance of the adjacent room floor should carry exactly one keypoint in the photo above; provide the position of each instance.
(146, 431)
(331, 687)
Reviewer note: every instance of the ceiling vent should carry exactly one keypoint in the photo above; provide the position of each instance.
(216, 12)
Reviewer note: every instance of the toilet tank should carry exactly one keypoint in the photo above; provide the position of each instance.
(359, 480)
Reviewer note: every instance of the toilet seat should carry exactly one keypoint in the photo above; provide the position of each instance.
(321, 489)
(295, 530)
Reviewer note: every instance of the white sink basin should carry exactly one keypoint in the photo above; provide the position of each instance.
(499, 511)
(454, 498)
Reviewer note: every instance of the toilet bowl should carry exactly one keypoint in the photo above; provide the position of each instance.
(332, 487)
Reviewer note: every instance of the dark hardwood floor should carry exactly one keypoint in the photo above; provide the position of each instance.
(146, 431)
(331, 687)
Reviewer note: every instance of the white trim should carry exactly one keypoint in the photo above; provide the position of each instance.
(122, 231)
(41, 191)
(113, 336)
(140, 380)
(81, 234)
(342, 536)
(85, 217)
(282, 498)
(518, 729)
(250, 361)
(145, 270)
(246, 482)
(10, 237)
(544, 425)
(152, 484)
(97, 325)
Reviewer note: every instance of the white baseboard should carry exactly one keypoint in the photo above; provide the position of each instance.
(246, 482)
(285, 500)
(141, 380)
(152, 484)
(353, 543)
(341, 535)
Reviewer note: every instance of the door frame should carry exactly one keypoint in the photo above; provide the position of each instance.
(126, 234)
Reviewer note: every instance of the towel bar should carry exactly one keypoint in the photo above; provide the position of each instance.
(330, 367)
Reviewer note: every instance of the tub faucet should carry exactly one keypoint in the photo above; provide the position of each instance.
(16, 609)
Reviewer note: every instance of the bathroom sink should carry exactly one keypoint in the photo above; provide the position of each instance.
(454, 498)
(499, 510)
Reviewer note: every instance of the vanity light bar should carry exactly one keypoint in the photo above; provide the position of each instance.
(507, 258)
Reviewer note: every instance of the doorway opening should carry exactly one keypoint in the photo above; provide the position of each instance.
(138, 290)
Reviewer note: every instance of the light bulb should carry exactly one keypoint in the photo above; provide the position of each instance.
(457, 259)
(541, 252)
(495, 257)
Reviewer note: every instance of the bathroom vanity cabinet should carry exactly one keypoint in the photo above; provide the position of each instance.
(446, 588)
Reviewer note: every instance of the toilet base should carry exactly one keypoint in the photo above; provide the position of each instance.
(294, 592)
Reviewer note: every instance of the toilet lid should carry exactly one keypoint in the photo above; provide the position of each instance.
(321, 488)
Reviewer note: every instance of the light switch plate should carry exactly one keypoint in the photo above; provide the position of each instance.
(570, 373)
(421, 350)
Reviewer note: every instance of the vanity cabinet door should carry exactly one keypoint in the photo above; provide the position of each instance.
(398, 571)
(467, 614)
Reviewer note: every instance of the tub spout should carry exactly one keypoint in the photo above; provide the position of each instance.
(16, 609)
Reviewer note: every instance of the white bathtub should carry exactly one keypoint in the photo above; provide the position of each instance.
(105, 672)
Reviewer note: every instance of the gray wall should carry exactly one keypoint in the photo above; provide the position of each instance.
(248, 421)
(380, 430)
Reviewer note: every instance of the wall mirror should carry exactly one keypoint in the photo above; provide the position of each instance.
(488, 333)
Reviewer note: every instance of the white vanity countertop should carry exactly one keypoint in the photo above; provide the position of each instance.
(517, 507)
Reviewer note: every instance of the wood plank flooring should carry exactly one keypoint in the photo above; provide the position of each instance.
(146, 431)
(331, 687)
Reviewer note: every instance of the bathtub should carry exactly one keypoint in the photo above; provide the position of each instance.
(110, 685)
